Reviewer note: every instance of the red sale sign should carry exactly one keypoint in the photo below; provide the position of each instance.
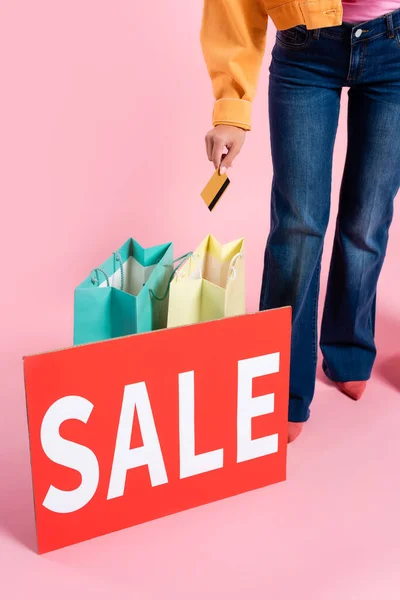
(136, 428)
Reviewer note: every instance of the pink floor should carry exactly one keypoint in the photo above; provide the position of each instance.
(331, 532)
(81, 115)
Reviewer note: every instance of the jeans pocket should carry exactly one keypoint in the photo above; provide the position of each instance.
(295, 38)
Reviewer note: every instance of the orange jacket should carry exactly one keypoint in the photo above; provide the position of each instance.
(233, 35)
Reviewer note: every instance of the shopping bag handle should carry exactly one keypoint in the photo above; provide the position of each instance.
(233, 272)
(197, 256)
(95, 279)
(182, 260)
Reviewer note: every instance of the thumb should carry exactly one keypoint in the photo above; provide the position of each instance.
(228, 159)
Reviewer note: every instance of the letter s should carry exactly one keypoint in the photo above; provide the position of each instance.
(69, 454)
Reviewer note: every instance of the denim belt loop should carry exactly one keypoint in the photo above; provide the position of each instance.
(316, 33)
(389, 25)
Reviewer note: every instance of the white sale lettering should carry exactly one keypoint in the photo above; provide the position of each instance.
(69, 454)
(192, 464)
(136, 396)
(136, 401)
(249, 407)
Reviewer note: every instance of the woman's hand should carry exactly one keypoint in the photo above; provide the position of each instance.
(223, 144)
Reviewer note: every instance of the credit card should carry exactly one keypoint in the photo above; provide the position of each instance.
(214, 189)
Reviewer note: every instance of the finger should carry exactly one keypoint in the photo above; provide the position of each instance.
(230, 157)
(209, 147)
(224, 153)
(217, 152)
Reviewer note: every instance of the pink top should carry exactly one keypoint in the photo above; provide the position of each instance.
(357, 11)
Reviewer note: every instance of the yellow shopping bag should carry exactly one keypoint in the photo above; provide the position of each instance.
(209, 285)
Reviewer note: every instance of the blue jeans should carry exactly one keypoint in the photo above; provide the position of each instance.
(307, 74)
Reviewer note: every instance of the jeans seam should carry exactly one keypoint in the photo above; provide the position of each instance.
(315, 312)
(289, 33)
(289, 46)
(362, 62)
(332, 36)
(266, 281)
(341, 38)
(266, 259)
(370, 39)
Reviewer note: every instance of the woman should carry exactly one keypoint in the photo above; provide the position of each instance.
(314, 57)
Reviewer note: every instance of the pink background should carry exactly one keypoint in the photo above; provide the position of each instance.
(104, 108)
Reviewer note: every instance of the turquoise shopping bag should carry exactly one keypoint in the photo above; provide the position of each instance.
(124, 295)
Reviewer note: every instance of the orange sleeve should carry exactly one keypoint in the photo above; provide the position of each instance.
(233, 37)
